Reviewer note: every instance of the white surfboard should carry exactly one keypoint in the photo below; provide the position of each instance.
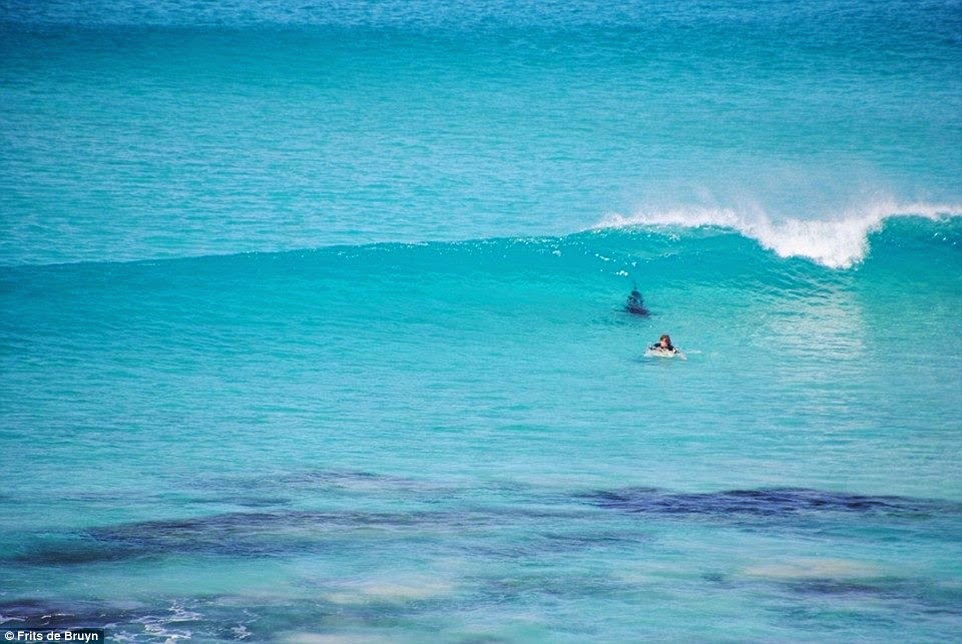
(664, 353)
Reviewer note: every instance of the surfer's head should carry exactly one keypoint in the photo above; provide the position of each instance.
(665, 340)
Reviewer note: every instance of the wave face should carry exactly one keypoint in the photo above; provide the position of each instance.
(312, 325)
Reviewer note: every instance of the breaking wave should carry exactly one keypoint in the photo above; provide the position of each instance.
(840, 242)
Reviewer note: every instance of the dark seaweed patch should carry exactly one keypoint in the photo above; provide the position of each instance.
(37, 613)
(208, 618)
(233, 534)
(281, 532)
(838, 587)
(73, 552)
(773, 502)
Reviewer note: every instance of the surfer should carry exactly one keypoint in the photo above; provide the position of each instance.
(636, 304)
(665, 349)
(664, 344)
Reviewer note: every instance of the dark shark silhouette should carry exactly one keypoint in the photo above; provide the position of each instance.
(636, 303)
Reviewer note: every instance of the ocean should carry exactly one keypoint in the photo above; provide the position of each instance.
(312, 320)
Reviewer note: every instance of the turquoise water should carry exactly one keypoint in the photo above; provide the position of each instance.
(311, 321)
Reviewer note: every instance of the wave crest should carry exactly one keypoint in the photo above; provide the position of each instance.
(840, 242)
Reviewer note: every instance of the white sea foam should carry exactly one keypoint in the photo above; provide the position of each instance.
(161, 625)
(838, 242)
